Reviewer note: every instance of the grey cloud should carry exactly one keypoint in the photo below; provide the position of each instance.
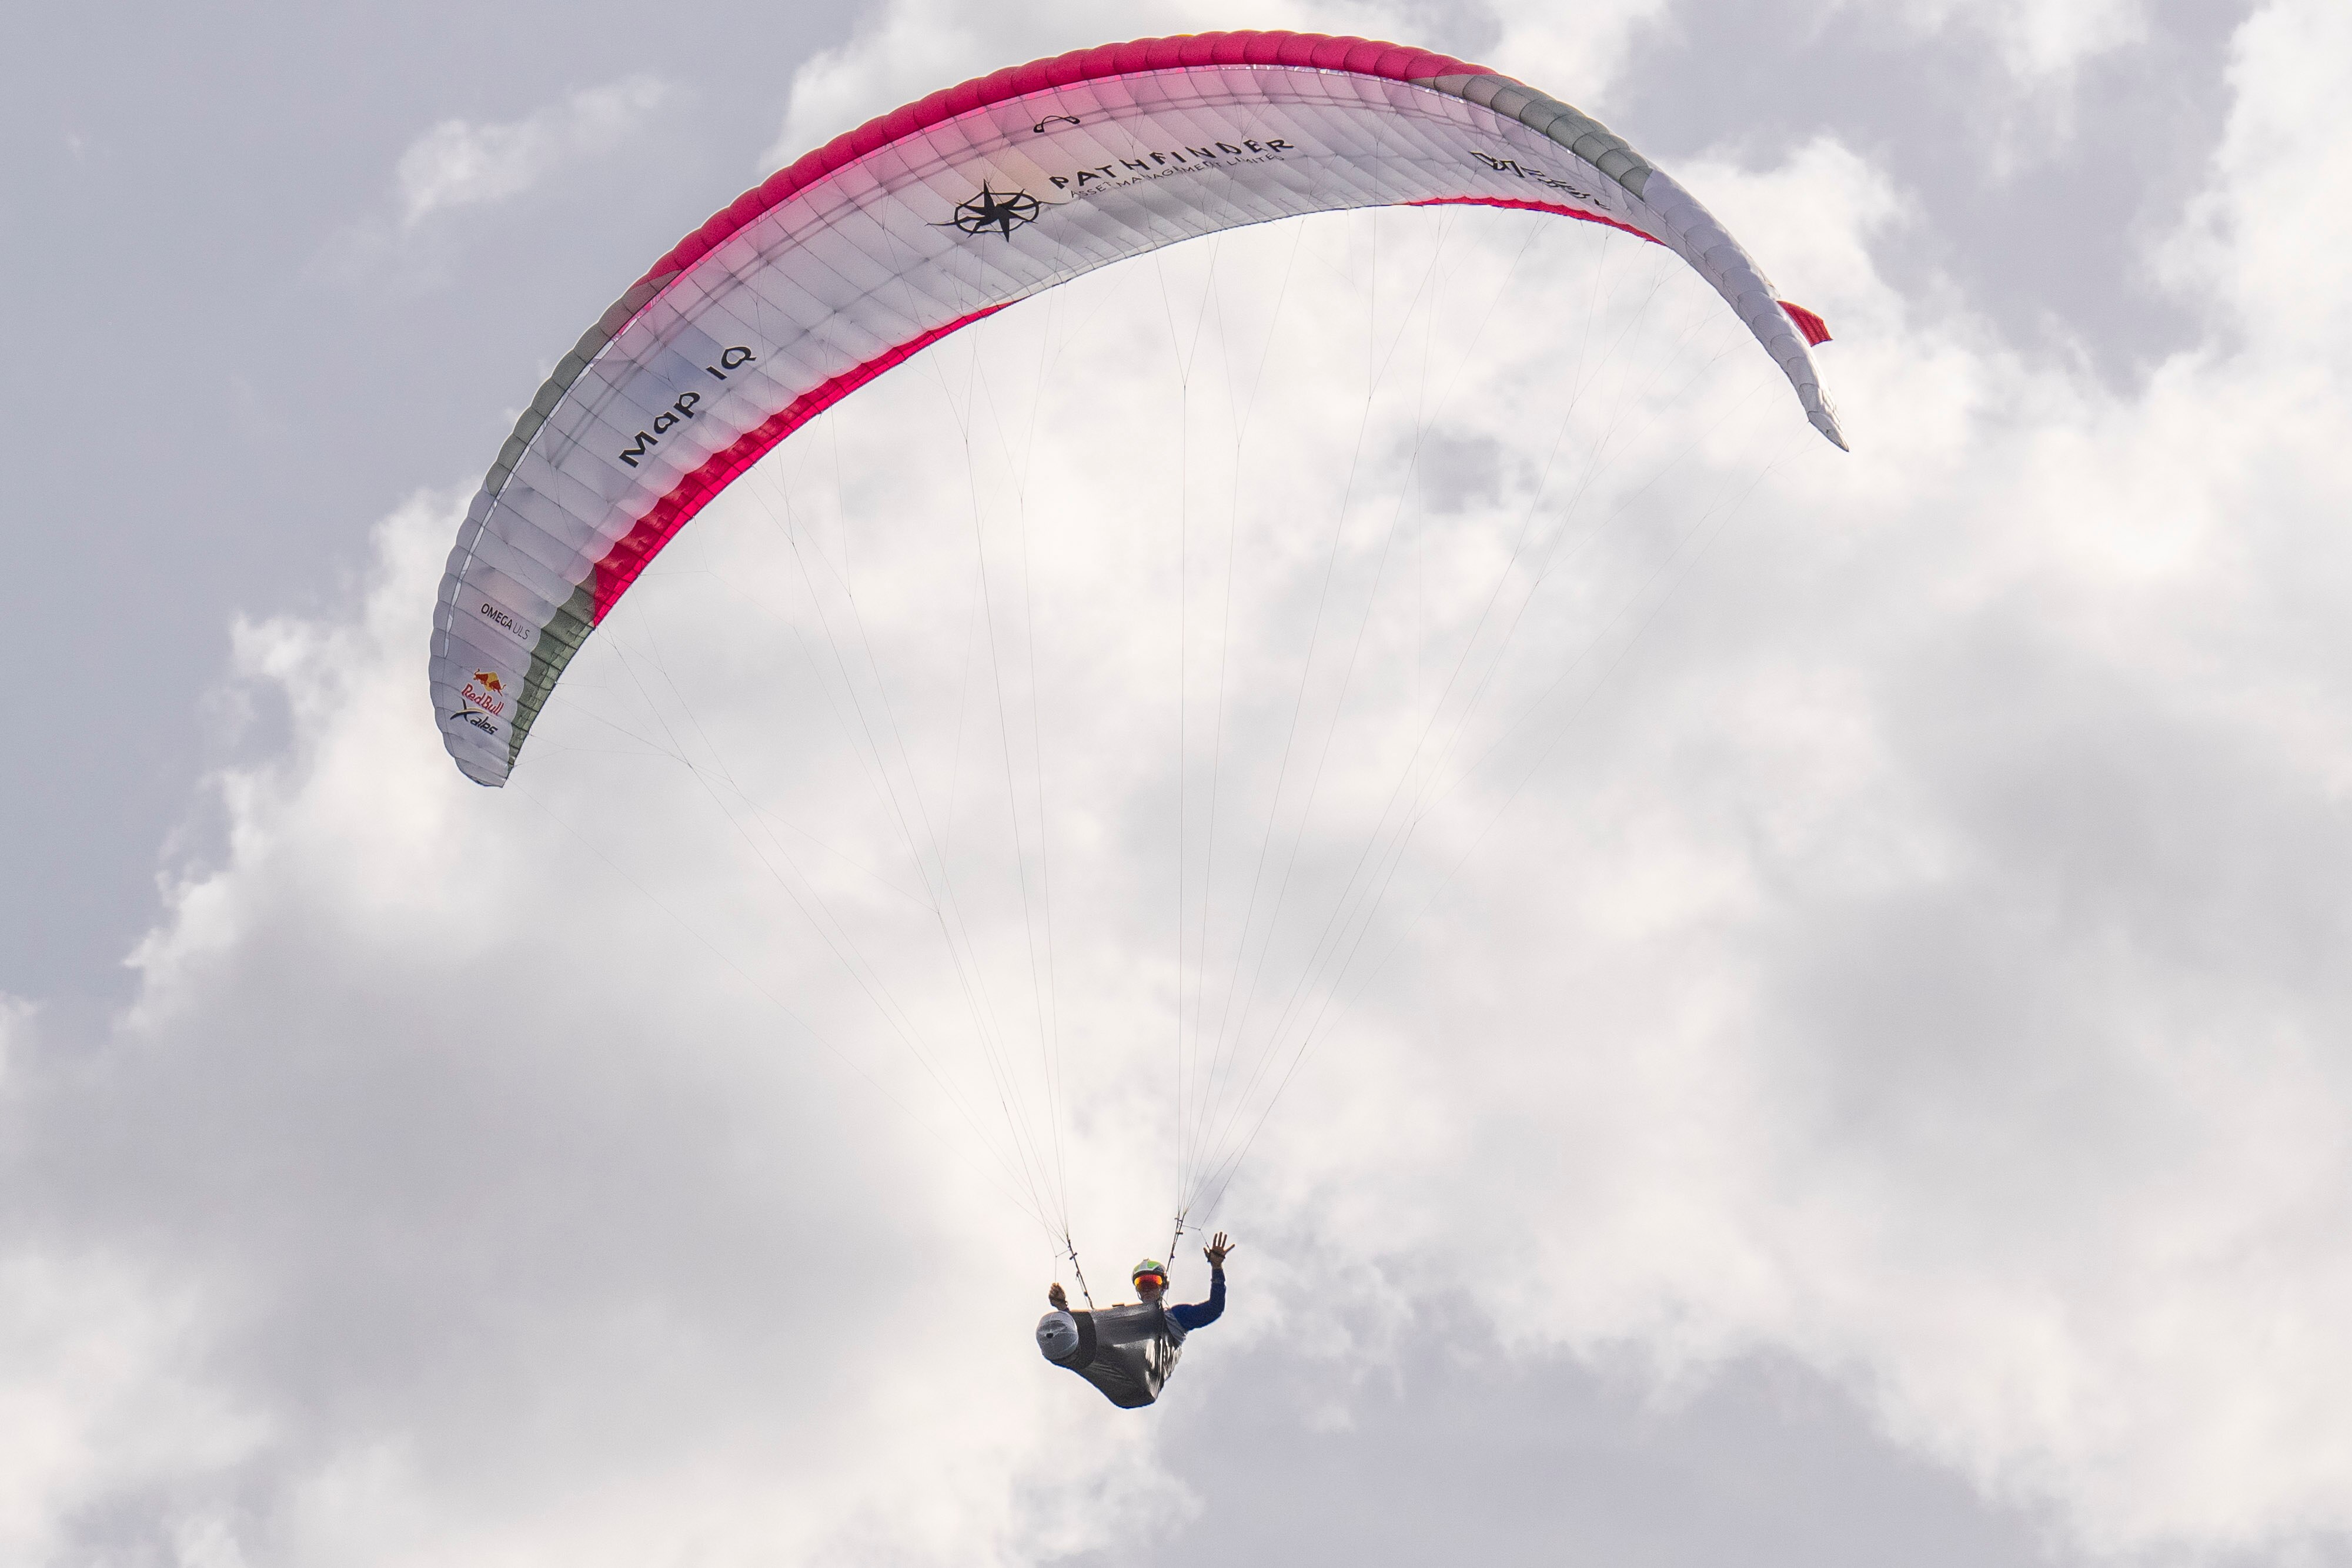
(1462, 1451)
(2040, 199)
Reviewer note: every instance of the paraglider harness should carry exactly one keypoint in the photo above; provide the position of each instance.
(1127, 1353)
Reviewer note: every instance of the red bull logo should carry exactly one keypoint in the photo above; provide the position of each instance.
(486, 691)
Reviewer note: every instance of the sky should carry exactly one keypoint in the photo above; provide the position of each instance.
(1848, 1066)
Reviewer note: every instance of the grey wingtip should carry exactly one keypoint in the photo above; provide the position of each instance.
(482, 776)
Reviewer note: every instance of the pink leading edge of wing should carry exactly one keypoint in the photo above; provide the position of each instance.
(1313, 50)
(619, 566)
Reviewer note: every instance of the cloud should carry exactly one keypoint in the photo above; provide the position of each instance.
(448, 1280)
(1883, 917)
(459, 163)
(16, 1018)
(94, 1362)
(2044, 40)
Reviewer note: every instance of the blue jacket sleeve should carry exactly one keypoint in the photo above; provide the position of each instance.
(1200, 1314)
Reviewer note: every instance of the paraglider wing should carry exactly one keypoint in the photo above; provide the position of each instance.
(934, 216)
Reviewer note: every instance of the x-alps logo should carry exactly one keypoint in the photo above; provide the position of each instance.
(478, 720)
(994, 211)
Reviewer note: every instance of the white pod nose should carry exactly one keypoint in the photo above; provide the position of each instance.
(1057, 1336)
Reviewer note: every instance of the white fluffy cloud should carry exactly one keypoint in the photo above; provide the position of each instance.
(1913, 950)
(459, 163)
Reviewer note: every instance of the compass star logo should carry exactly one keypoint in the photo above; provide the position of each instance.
(1001, 211)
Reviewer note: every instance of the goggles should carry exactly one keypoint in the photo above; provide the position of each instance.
(1158, 1279)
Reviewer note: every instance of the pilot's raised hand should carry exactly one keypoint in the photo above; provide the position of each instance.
(1216, 1249)
(1056, 1299)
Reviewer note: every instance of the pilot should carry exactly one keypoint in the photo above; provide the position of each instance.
(1127, 1352)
